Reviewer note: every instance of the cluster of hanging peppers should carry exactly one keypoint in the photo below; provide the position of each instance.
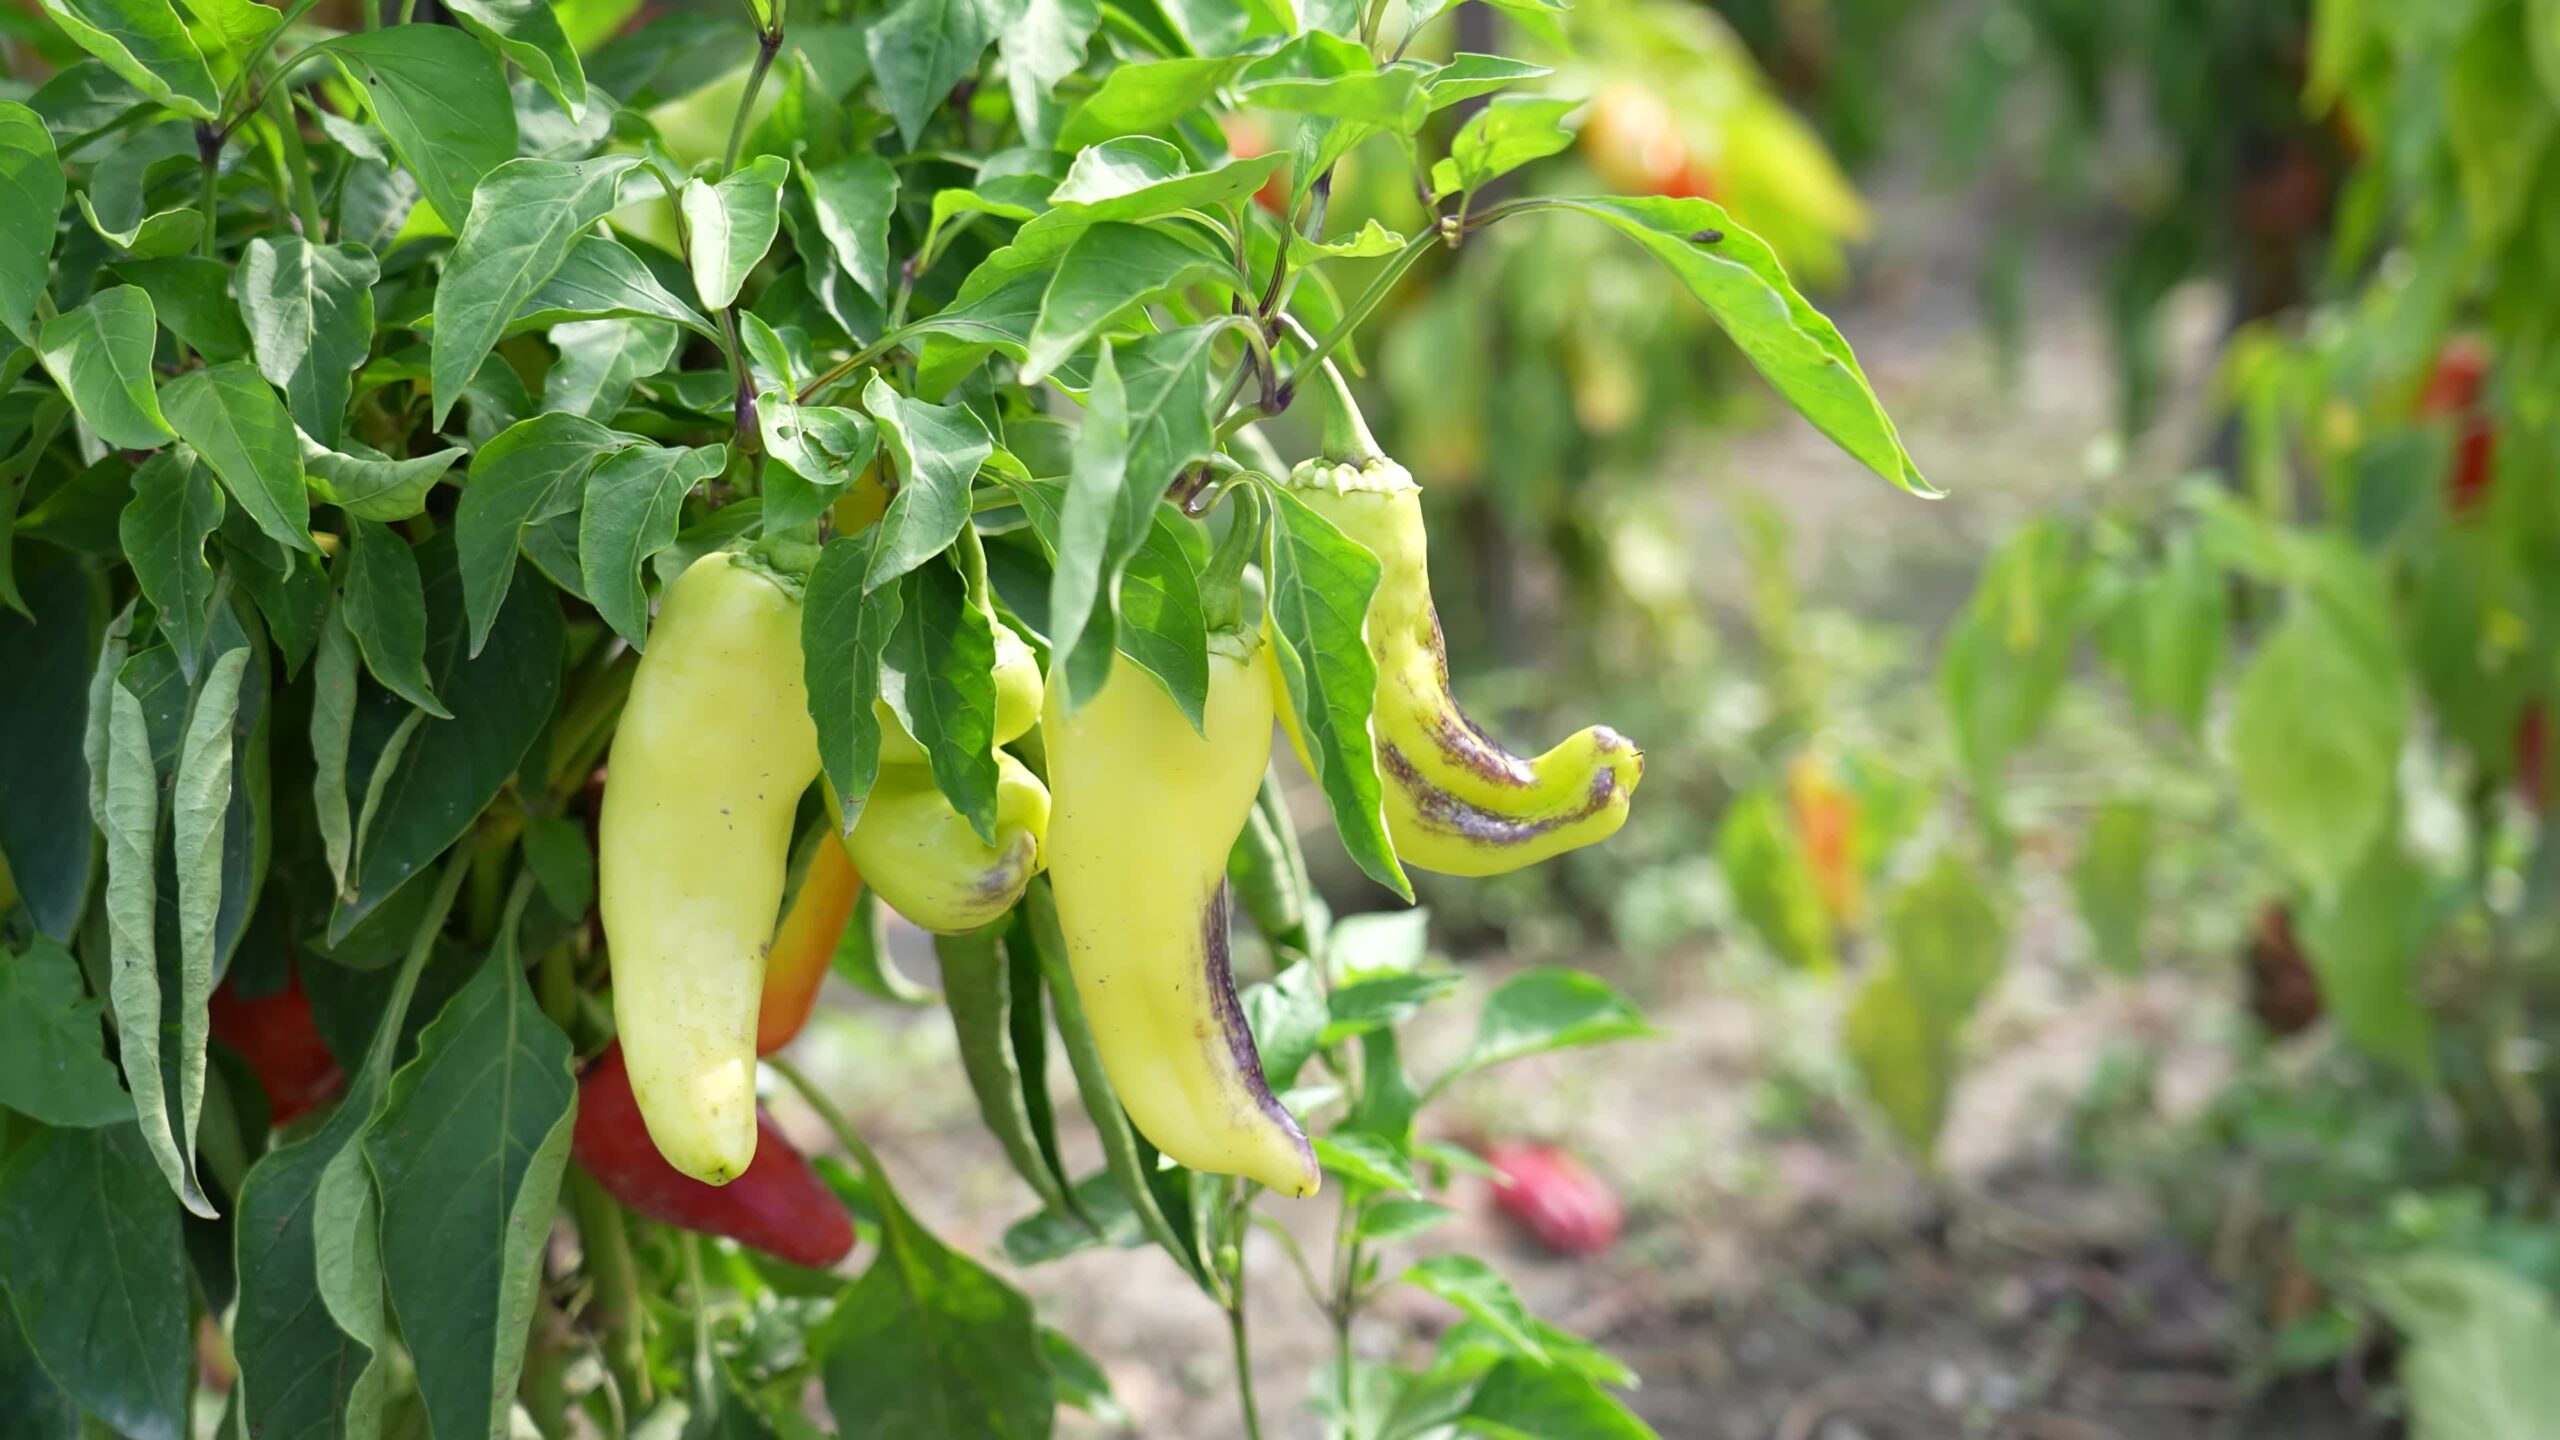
(1132, 813)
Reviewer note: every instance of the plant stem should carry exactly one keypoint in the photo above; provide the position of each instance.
(297, 164)
(1359, 309)
(604, 1239)
(1243, 1351)
(768, 45)
(209, 152)
(834, 1119)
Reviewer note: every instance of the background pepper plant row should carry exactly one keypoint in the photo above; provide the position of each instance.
(362, 385)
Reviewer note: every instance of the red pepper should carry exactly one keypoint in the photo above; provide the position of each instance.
(2453, 390)
(276, 1035)
(779, 1205)
(1549, 1194)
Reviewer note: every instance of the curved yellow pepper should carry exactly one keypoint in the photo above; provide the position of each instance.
(1457, 802)
(924, 861)
(1144, 810)
(709, 761)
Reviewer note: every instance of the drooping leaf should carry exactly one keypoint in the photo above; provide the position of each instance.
(31, 187)
(1043, 42)
(200, 806)
(174, 507)
(512, 479)
(145, 44)
(53, 1060)
(2113, 882)
(732, 225)
(844, 626)
(526, 215)
(938, 449)
(96, 1270)
(386, 611)
(310, 314)
(237, 426)
(1733, 273)
(529, 33)
(469, 1152)
(100, 354)
(938, 675)
(1110, 269)
(422, 801)
(977, 985)
(442, 100)
(922, 48)
(853, 199)
(629, 514)
(2315, 742)
(44, 772)
(1321, 582)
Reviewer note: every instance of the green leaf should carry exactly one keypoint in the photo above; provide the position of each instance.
(1476, 1288)
(1110, 270)
(1143, 97)
(732, 225)
(854, 199)
(1506, 134)
(816, 450)
(369, 485)
(386, 611)
(862, 954)
(1044, 42)
(1366, 1160)
(1948, 937)
(100, 354)
(1905, 1052)
(237, 426)
(97, 1272)
(27, 1394)
(1159, 623)
(1551, 1008)
(469, 1153)
(442, 100)
(556, 854)
(1138, 178)
(2365, 939)
(1085, 541)
(977, 986)
(601, 279)
(1377, 1004)
(44, 773)
(1520, 1400)
(300, 1373)
(526, 214)
(2113, 882)
(2004, 661)
(1321, 583)
(930, 1345)
(2167, 638)
(533, 469)
(333, 715)
(2484, 1357)
(1287, 1017)
(938, 674)
(2315, 742)
(147, 45)
(310, 314)
(192, 297)
(844, 626)
(1321, 74)
(602, 361)
(2497, 121)
(938, 449)
(1772, 880)
(30, 197)
(1388, 1220)
(174, 507)
(1735, 275)
(922, 48)
(1466, 76)
(53, 1060)
(631, 509)
(527, 32)
(199, 811)
(444, 778)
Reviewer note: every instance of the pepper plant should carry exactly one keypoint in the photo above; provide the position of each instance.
(369, 385)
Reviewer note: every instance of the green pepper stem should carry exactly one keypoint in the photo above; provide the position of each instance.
(1346, 437)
